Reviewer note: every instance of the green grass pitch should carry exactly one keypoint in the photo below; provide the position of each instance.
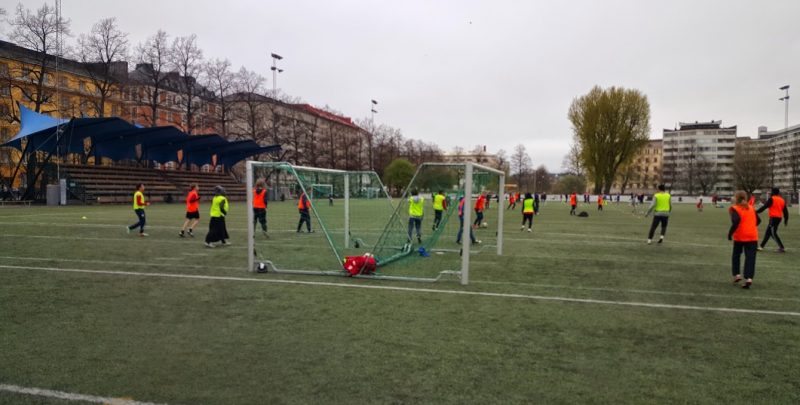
(244, 338)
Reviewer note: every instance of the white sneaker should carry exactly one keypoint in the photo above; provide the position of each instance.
(529, 230)
(226, 243)
(208, 245)
(522, 228)
(649, 241)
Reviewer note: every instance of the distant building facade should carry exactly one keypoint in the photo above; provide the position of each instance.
(784, 147)
(695, 149)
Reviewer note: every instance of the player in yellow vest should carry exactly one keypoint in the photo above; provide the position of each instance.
(415, 213)
(528, 210)
(662, 205)
(138, 207)
(439, 205)
(217, 231)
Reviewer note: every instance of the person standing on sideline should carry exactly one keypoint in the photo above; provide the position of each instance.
(777, 211)
(439, 206)
(192, 210)
(138, 207)
(260, 206)
(528, 209)
(480, 204)
(461, 221)
(662, 205)
(573, 202)
(512, 202)
(700, 205)
(303, 206)
(544, 198)
(415, 214)
(634, 203)
(330, 200)
(217, 231)
(535, 202)
(744, 234)
(599, 202)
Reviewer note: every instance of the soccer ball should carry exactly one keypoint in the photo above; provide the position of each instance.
(261, 268)
(485, 225)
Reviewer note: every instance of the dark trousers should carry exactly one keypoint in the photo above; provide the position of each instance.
(478, 217)
(599, 207)
(658, 220)
(772, 231)
(512, 205)
(412, 223)
(141, 223)
(437, 219)
(527, 217)
(305, 216)
(750, 249)
(260, 215)
(217, 231)
(461, 231)
(572, 212)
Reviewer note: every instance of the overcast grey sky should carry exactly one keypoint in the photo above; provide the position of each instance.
(496, 73)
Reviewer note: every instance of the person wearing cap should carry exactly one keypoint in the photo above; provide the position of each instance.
(777, 211)
(662, 205)
(217, 231)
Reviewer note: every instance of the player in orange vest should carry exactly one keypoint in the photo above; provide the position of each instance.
(260, 206)
(573, 202)
(303, 205)
(777, 211)
(752, 201)
(744, 234)
(192, 210)
(479, 206)
(600, 202)
(512, 202)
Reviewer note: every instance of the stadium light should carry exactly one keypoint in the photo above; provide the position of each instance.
(784, 87)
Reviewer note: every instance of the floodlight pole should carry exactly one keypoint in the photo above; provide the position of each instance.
(251, 256)
(466, 228)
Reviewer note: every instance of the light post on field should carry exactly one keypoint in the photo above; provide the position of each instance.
(785, 99)
(275, 71)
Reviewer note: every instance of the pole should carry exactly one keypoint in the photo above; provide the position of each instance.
(500, 210)
(251, 253)
(346, 211)
(466, 229)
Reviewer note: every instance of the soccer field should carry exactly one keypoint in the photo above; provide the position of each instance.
(581, 311)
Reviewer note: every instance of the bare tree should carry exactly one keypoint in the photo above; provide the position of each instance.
(458, 154)
(572, 162)
(750, 166)
(708, 175)
(521, 166)
(103, 52)
(541, 179)
(37, 31)
(249, 110)
(187, 59)
(221, 80)
(502, 160)
(152, 58)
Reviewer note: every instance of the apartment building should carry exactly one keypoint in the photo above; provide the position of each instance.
(698, 154)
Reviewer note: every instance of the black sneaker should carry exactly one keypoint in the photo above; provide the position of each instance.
(419, 240)
(310, 231)
(660, 240)
(299, 231)
(181, 234)
(191, 233)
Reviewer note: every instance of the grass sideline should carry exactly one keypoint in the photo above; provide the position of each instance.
(180, 341)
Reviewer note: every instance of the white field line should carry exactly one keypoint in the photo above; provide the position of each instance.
(551, 286)
(416, 290)
(614, 290)
(70, 396)
(490, 258)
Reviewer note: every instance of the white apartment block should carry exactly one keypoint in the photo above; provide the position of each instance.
(706, 143)
(784, 144)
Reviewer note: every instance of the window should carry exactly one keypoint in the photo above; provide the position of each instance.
(5, 91)
(134, 112)
(64, 82)
(4, 69)
(169, 117)
(3, 134)
(26, 73)
(4, 112)
(84, 105)
(114, 111)
(65, 102)
(81, 86)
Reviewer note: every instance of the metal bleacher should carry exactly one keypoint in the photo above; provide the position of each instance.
(115, 184)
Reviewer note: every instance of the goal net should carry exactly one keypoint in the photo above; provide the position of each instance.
(352, 214)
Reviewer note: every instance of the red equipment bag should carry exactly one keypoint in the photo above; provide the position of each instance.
(360, 264)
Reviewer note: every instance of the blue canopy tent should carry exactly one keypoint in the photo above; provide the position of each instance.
(205, 155)
(119, 146)
(233, 157)
(168, 151)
